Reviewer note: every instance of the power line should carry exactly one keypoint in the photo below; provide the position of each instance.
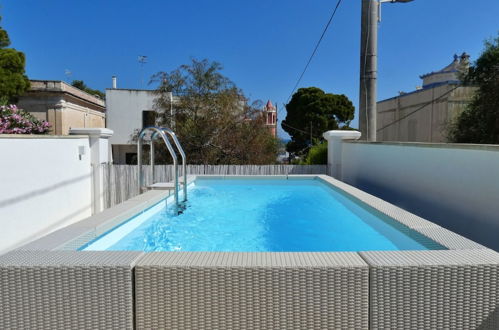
(299, 130)
(315, 49)
(420, 108)
(309, 61)
(280, 110)
(296, 129)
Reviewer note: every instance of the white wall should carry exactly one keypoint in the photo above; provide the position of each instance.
(44, 185)
(124, 112)
(454, 186)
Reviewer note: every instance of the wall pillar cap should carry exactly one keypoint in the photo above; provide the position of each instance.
(93, 132)
(341, 135)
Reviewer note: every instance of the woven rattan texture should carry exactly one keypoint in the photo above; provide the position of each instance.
(430, 290)
(395, 212)
(450, 239)
(66, 290)
(251, 297)
(68, 238)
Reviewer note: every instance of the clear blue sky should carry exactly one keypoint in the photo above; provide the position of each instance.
(262, 44)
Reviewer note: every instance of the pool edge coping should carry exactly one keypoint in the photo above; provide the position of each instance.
(84, 231)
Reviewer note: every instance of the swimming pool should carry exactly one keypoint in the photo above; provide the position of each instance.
(261, 215)
(200, 289)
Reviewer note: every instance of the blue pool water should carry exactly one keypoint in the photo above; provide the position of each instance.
(263, 215)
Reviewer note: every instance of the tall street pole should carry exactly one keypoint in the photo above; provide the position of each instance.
(368, 69)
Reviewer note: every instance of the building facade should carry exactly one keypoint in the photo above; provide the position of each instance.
(128, 111)
(63, 106)
(426, 114)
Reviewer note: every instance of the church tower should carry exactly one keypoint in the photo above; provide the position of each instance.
(270, 113)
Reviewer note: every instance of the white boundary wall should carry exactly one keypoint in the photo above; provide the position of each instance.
(455, 186)
(45, 184)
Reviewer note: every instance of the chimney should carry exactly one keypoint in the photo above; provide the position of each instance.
(114, 82)
(465, 60)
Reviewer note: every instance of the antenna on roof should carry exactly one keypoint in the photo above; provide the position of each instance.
(142, 60)
(68, 75)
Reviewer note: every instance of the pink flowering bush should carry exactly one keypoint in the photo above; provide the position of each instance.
(17, 121)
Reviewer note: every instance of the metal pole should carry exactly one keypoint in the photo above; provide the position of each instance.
(153, 136)
(139, 162)
(184, 158)
(172, 122)
(368, 69)
(160, 132)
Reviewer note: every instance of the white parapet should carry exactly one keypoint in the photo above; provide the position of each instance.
(99, 143)
(99, 154)
(334, 149)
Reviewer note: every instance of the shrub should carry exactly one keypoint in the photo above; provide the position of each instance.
(17, 121)
(317, 155)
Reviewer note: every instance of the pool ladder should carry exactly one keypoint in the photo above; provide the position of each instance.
(163, 132)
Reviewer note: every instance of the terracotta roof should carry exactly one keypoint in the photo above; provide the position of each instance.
(269, 105)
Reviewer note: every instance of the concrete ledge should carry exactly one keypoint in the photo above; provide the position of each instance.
(94, 132)
(470, 146)
(41, 136)
(171, 185)
(342, 135)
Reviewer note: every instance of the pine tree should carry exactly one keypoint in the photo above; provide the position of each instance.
(13, 80)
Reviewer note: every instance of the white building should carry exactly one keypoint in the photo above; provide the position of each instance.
(128, 111)
(425, 115)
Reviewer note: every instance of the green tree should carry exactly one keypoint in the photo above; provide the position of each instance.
(13, 80)
(479, 123)
(211, 116)
(311, 111)
(80, 84)
(317, 155)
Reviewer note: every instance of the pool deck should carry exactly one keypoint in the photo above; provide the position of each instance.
(48, 284)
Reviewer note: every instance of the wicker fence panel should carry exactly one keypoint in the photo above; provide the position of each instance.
(120, 181)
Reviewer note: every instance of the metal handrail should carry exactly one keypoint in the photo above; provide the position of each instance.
(156, 131)
(182, 154)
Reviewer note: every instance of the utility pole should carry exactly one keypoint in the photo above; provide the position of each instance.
(368, 69)
(369, 66)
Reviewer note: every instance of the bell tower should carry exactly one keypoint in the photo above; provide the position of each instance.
(270, 113)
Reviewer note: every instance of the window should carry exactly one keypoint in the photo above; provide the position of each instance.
(148, 118)
(131, 158)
